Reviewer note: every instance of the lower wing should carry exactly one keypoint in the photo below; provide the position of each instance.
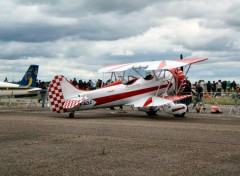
(157, 101)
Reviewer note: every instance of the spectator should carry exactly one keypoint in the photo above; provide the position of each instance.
(80, 84)
(238, 89)
(5, 80)
(214, 87)
(215, 108)
(219, 88)
(224, 86)
(202, 84)
(199, 90)
(235, 98)
(84, 85)
(89, 84)
(98, 84)
(74, 82)
(43, 93)
(228, 86)
(233, 86)
(209, 87)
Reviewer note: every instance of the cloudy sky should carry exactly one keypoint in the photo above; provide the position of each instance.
(76, 37)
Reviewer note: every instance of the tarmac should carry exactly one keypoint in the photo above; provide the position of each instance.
(36, 141)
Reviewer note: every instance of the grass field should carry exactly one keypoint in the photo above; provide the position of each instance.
(226, 99)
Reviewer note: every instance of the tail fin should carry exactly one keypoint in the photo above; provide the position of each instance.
(30, 77)
(60, 90)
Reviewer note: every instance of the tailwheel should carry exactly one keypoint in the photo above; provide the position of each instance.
(179, 115)
(71, 115)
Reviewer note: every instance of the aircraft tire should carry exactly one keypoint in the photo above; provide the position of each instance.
(71, 115)
(151, 113)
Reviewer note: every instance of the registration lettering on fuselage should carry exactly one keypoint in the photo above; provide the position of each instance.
(86, 102)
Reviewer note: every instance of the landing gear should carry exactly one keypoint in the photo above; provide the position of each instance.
(151, 112)
(71, 115)
(179, 115)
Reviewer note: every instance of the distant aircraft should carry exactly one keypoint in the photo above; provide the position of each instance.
(26, 88)
(146, 86)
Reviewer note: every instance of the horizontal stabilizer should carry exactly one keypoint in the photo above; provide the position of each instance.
(73, 103)
(35, 89)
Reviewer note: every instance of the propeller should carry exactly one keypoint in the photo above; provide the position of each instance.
(181, 57)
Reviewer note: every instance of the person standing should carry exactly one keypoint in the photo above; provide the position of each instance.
(213, 87)
(43, 92)
(209, 87)
(233, 86)
(219, 87)
(5, 80)
(228, 86)
(235, 97)
(80, 84)
(74, 82)
(224, 86)
(199, 90)
(98, 84)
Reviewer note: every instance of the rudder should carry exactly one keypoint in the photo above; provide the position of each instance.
(30, 77)
(55, 95)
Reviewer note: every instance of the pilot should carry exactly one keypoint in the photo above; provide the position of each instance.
(148, 77)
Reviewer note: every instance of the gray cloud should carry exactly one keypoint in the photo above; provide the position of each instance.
(78, 37)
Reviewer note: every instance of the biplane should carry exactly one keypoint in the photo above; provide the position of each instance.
(146, 86)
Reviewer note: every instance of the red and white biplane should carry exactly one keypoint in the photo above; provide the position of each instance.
(146, 86)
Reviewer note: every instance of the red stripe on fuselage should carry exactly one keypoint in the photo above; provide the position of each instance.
(120, 96)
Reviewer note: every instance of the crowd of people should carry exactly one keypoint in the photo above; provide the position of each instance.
(201, 90)
(89, 85)
(215, 88)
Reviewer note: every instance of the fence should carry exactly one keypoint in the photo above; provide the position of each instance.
(224, 100)
(5, 101)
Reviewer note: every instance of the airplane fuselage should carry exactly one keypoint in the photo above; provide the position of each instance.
(10, 89)
(123, 94)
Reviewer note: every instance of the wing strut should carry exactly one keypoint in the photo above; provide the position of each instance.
(182, 82)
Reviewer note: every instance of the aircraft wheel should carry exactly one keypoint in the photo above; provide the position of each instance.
(71, 115)
(179, 115)
(151, 113)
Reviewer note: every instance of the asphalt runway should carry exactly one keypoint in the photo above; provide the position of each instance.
(35, 141)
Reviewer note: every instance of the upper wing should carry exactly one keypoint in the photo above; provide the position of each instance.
(123, 67)
(151, 65)
(168, 64)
